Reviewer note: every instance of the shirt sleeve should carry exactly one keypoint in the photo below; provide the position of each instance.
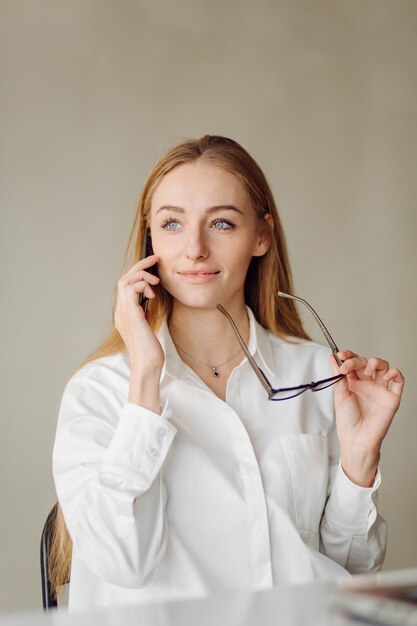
(107, 459)
(352, 533)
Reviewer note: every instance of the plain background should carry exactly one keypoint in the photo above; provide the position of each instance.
(322, 93)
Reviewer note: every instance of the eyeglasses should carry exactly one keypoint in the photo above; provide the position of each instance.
(286, 393)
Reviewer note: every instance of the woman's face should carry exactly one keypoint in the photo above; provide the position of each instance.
(204, 232)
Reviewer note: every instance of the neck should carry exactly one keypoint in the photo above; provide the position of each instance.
(206, 334)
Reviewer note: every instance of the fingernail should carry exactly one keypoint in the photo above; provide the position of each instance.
(368, 370)
(343, 368)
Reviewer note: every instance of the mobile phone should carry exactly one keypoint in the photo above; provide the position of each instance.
(147, 250)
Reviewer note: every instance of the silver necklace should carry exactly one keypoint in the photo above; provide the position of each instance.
(214, 368)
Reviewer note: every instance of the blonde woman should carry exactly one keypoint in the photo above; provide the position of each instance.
(193, 453)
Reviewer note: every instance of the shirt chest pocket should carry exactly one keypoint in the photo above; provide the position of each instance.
(308, 462)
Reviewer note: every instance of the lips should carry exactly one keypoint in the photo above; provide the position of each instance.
(198, 277)
(198, 273)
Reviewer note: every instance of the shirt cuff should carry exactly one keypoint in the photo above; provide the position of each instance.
(351, 506)
(138, 448)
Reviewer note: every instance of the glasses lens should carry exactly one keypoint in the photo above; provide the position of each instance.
(328, 382)
(293, 392)
(287, 394)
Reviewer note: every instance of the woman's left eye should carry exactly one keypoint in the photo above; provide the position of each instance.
(223, 225)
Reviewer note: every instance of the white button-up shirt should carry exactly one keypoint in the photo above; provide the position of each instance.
(209, 495)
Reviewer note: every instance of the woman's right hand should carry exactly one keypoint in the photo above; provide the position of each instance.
(144, 349)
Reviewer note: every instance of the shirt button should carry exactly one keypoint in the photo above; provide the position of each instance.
(162, 432)
(237, 374)
(154, 452)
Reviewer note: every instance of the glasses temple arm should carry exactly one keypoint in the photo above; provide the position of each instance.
(258, 372)
(324, 330)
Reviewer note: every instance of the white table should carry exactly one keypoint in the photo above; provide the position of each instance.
(310, 605)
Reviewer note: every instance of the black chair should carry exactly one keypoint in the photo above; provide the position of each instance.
(48, 600)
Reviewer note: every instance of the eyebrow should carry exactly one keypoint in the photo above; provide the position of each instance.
(212, 209)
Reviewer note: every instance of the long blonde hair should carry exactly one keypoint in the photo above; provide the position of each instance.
(265, 275)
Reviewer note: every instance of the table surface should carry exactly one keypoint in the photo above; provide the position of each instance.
(308, 605)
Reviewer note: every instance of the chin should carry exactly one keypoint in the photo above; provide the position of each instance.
(196, 300)
(198, 303)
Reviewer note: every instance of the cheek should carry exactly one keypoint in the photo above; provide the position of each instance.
(239, 255)
(168, 260)
(161, 249)
(164, 265)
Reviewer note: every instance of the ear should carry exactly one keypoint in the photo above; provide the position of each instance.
(264, 239)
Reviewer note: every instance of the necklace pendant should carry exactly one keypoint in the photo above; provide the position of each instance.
(214, 372)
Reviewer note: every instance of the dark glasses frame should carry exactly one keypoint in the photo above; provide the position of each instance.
(288, 392)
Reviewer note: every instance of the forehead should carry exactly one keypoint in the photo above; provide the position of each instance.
(199, 185)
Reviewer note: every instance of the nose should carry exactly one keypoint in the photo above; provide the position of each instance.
(196, 246)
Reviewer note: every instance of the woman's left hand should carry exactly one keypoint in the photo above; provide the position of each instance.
(366, 401)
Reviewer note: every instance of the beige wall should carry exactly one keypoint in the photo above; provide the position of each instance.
(323, 93)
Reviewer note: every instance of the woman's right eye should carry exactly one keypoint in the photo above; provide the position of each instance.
(168, 224)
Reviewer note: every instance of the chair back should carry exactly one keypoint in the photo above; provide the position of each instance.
(48, 600)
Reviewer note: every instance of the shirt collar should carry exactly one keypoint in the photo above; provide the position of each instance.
(259, 345)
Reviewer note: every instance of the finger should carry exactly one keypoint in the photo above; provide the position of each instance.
(346, 354)
(128, 297)
(141, 286)
(355, 367)
(144, 263)
(141, 275)
(126, 281)
(396, 379)
(377, 367)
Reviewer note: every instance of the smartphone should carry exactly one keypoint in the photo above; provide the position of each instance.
(147, 250)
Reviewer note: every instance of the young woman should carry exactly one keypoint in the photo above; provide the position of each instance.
(186, 463)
